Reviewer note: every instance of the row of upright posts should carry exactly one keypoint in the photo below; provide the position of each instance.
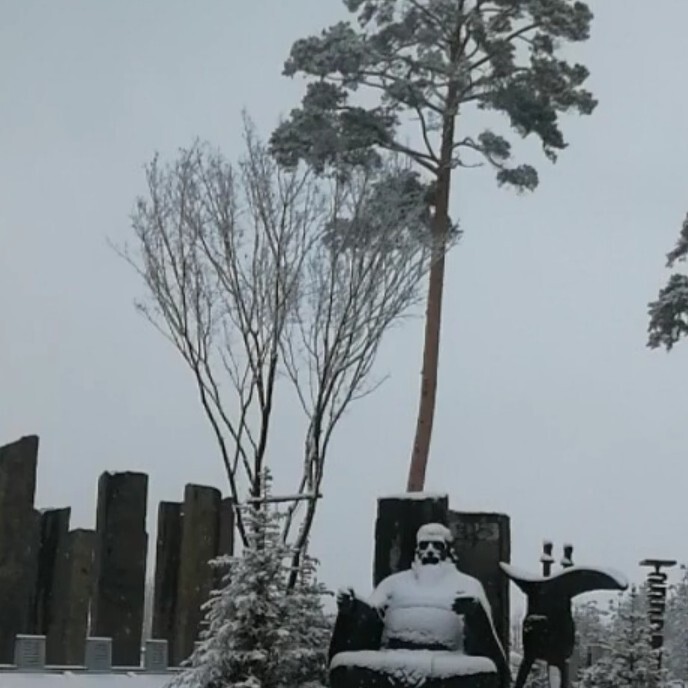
(70, 584)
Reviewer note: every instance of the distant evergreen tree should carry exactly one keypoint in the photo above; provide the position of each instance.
(257, 632)
(676, 630)
(628, 660)
(591, 627)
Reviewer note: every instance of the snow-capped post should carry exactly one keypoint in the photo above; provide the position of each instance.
(547, 559)
(567, 559)
(657, 589)
(429, 624)
(398, 520)
(549, 631)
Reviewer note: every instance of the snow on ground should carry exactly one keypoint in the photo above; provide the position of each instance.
(15, 679)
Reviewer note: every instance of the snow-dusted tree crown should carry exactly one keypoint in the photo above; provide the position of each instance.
(429, 59)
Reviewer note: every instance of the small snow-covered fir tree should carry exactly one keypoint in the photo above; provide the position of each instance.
(259, 633)
(628, 660)
(676, 630)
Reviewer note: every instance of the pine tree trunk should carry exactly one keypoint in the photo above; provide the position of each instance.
(431, 345)
(433, 312)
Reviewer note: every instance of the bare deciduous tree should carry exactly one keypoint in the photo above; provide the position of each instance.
(262, 277)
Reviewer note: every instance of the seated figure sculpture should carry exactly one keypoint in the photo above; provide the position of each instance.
(430, 624)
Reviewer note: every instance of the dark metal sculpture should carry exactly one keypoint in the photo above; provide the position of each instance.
(548, 629)
(657, 588)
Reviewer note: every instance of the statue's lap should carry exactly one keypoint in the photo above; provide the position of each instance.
(370, 669)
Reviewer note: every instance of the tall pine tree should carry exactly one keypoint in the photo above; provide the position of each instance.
(429, 62)
(259, 633)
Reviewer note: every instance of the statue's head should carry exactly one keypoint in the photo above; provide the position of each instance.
(433, 544)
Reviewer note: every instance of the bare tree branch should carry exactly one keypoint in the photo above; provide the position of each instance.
(261, 277)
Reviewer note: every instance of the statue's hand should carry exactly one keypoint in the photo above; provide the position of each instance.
(464, 605)
(345, 600)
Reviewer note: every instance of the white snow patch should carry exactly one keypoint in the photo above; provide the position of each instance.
(416, 496)
(412, 665)
(554, 675)
(16, 679)
(434, 531)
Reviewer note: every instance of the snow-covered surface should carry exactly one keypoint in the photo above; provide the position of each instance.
(412, 665)
(417, 604)
(434, 532)
(416, 496)
(527, 576)
(16, 679)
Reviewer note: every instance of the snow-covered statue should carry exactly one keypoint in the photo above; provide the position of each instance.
(431, 623)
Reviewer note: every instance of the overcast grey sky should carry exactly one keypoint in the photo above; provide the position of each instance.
(550, 407)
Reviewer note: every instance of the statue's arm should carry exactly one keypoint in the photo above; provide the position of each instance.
(481, 634)
(358, 625)
(380, 596)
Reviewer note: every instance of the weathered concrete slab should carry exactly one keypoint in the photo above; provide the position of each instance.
(200, 531)
(167, 553)
(120, 564)
(18, 540)
(54, 527)
(72, 590)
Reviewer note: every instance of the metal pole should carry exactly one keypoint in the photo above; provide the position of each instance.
(547, 559)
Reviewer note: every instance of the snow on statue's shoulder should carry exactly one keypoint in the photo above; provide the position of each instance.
(518, 574)
(415, 664)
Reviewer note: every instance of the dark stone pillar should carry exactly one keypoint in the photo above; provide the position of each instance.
(225, 538)
(481, 541)
(200, 529)
(398, 521)
(54, 526)
(225, 544)
(120, 564)
(167, 552)
(18, 540)
(72, 590)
